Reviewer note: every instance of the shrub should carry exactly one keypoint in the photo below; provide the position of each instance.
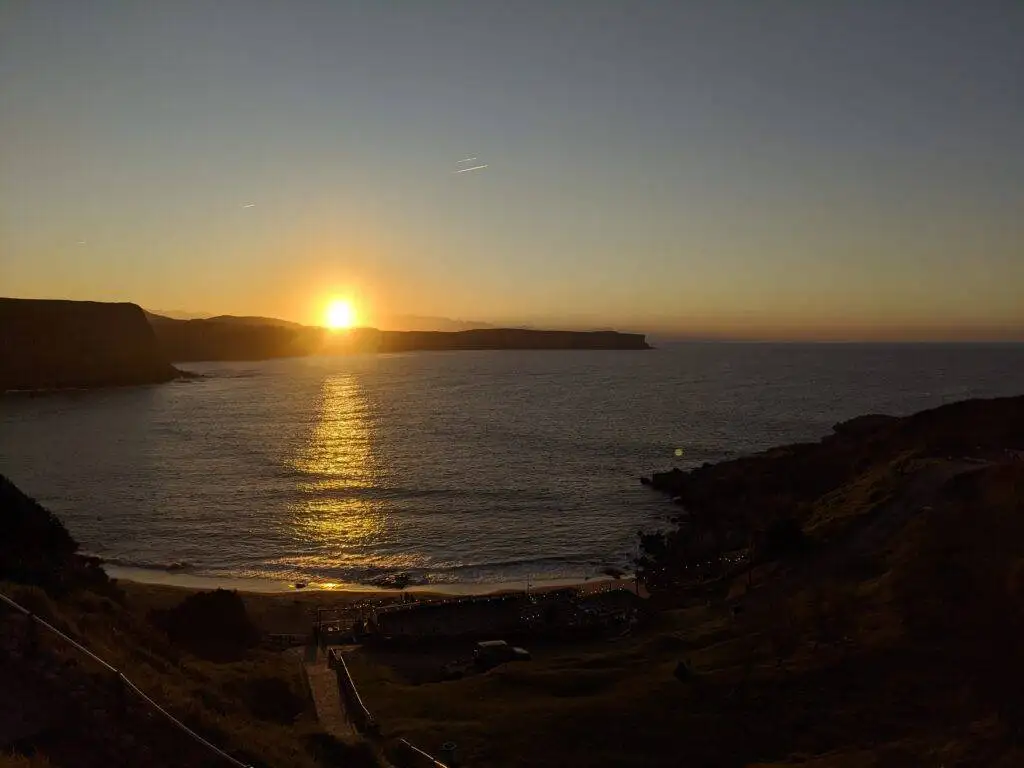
(211, 625)
(271, 698)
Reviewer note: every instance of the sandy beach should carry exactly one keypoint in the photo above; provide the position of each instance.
(277, 607)
(187, 580)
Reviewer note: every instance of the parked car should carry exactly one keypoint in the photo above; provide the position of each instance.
(491, 653)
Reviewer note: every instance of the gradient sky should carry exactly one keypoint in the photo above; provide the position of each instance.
(756, 168)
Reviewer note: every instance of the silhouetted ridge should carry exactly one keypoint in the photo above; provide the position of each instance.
(226, 338)
(235, 338)
(47, 344)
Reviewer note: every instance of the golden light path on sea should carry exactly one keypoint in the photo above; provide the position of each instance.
(338, 467)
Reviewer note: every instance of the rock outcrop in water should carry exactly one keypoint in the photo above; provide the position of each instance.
(49, 344)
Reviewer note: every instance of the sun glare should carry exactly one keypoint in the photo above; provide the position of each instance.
(340, 315)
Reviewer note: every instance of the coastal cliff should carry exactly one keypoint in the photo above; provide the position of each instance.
(49, 344)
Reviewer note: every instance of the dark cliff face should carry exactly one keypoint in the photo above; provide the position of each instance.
(48, 344)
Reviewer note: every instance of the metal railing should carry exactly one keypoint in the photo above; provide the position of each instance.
(420, 757)
(362, 718)
(360, 715)
(124, 681)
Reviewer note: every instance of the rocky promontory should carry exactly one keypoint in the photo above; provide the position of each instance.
(821, 488)
(51, 344)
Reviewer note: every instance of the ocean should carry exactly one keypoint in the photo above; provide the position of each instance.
(455, 468)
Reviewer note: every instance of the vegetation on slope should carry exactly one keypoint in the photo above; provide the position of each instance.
(736, 506)
(855, 602)
(880, 627)
(71, 712)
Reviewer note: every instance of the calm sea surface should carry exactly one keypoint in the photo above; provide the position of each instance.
(452, 467)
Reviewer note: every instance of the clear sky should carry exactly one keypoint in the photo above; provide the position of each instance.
(767, 168)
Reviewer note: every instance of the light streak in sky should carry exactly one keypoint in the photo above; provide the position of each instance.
(474, 168)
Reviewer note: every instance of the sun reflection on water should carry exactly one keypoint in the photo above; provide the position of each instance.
(338, 469)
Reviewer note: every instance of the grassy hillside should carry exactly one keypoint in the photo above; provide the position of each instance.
(69, 711)
(889, 638)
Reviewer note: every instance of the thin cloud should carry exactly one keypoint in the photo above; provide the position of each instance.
(474, 168)
(467, 160)
(249, 205)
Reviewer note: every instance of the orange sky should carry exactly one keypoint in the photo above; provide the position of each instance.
(696, 169)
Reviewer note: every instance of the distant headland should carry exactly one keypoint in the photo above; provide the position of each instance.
(257, 338)
(52, 344)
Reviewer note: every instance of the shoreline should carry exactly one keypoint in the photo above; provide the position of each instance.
(258, 586)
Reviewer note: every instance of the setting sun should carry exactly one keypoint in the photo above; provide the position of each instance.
(340, 315)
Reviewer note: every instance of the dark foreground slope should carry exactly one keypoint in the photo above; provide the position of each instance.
(36, 549)
(852, 603)
(60, 709)
(48, 344)
(821, 487)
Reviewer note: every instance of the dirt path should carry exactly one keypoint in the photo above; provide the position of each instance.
(323, 684)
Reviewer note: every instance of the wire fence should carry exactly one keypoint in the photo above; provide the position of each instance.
(357, 711)
(414, 757)
(124, 681)
(408, 755)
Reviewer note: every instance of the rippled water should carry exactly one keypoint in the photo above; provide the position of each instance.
(452, 467)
